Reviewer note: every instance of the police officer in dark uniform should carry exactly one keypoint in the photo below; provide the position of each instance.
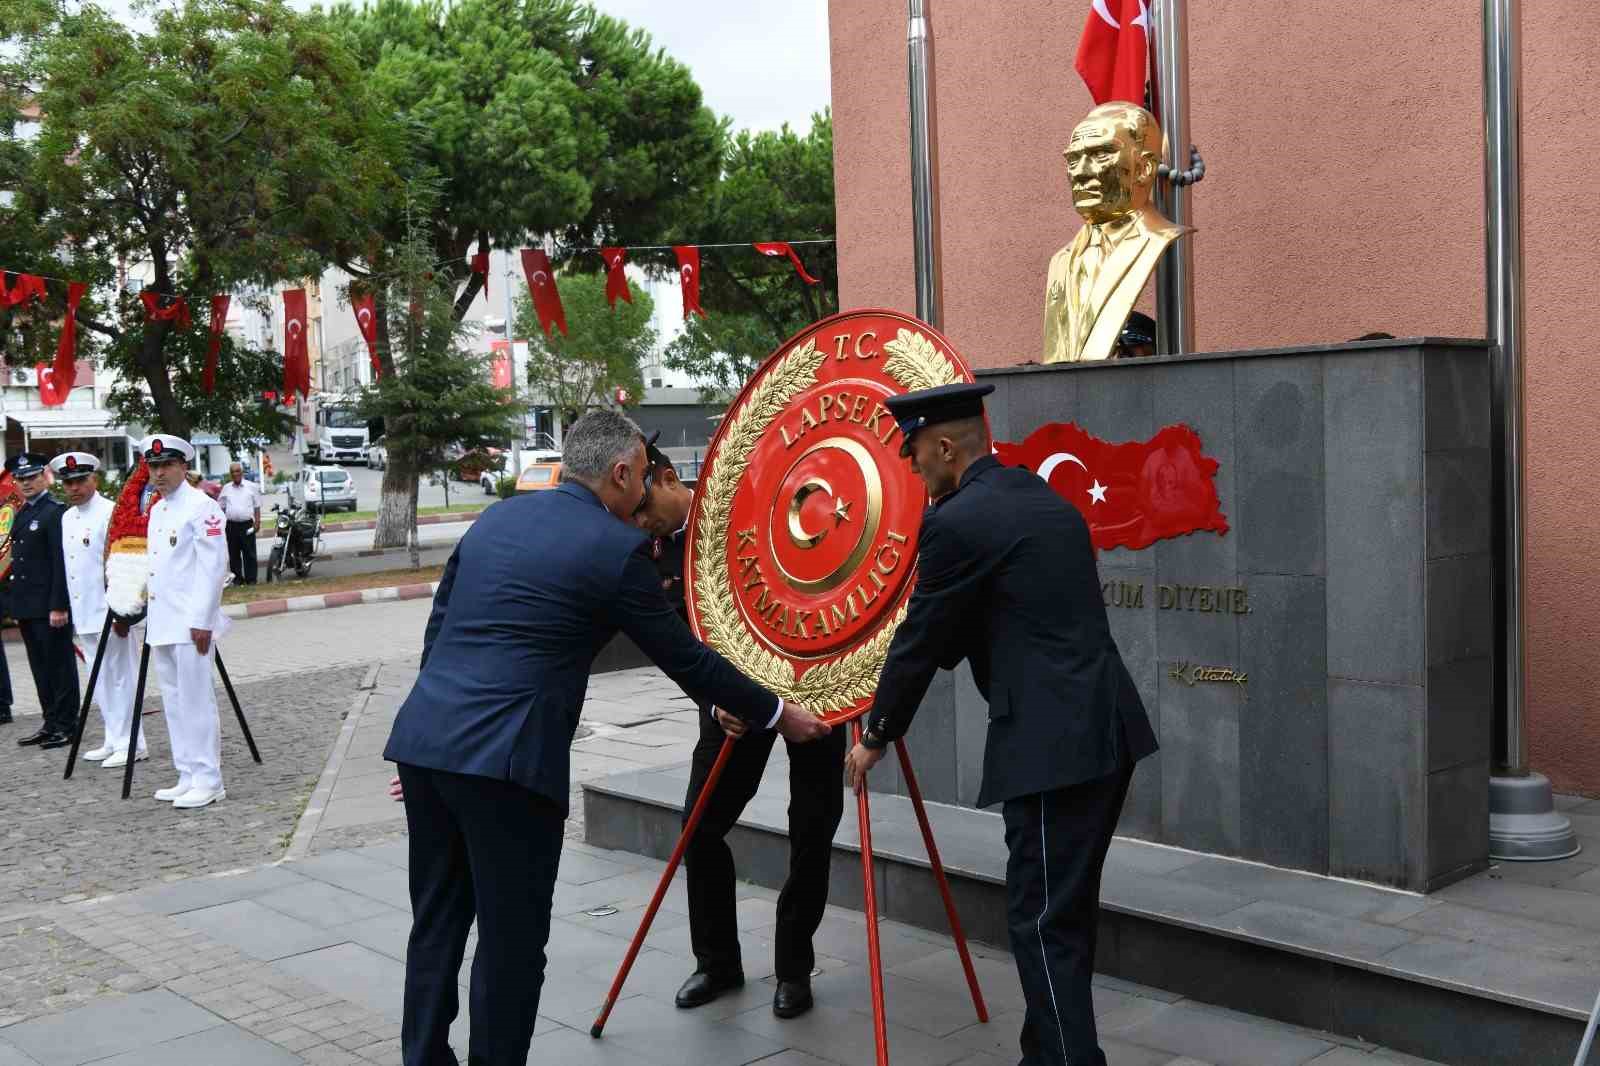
(37, 598)
(1020, 600)
(816, 805)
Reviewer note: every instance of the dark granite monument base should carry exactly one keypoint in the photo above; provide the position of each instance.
(1357, 603)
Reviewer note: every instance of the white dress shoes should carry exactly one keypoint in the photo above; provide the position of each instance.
(120, 758)
(102, 752)
(169, 795)
(199, 797)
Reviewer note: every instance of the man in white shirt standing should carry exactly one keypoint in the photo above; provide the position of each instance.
(241, 505)
(83, 548)
(188, 560)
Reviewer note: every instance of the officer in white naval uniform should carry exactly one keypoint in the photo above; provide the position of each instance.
(188, 553)
(83, 547)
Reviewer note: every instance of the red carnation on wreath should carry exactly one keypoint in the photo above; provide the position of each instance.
(126, 545)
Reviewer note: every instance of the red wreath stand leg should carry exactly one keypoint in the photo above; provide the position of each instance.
(874, 961)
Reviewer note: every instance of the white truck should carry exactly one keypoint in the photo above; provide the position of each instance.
(341, 435)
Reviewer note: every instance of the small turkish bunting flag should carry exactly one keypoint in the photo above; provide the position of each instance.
(689, 273)
(542, 287)
(616, 281)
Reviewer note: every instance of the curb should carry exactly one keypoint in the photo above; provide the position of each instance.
(262, 608)
(422, 520)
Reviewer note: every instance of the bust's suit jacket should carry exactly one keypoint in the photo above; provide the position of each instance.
(1020, 599)
(1073, 330)
(538, 585)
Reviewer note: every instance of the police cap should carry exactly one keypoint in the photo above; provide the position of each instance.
(912, 411)
(26, 464)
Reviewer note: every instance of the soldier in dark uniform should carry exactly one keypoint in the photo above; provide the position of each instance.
(1020, 600)
(816, 804)
(37, 597)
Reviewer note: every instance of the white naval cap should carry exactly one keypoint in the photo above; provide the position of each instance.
(164, 447)
(69, 466)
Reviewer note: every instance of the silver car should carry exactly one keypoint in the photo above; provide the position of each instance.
(323, 488)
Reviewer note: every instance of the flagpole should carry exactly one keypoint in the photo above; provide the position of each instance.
(924, 194)
(1523, 822)
(1175, 269)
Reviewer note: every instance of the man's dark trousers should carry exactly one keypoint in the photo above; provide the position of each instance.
(816, 802)
(486, 849)
(242, 551)
(1058, 842)
(55, 671)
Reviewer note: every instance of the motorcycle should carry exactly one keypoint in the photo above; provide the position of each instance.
(299, 536)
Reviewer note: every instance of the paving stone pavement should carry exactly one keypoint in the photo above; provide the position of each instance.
(302, 961)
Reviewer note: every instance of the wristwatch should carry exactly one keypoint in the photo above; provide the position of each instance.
(872, 741)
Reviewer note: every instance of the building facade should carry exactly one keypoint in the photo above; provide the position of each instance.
(1344, 195)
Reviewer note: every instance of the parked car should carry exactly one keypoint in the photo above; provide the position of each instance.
(322, 489)
(378, 454)
(543, 473)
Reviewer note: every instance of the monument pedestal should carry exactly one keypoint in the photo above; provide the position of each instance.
(1349, 607)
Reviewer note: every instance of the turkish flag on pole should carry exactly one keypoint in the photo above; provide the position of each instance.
(1112, 51)
(616, 280)
(542, 287)
(778, 249)
(689, 271)
(56, 381)
(366, 309)
(1131, 494)
(480, 267)
(296, 363)
(219, 323)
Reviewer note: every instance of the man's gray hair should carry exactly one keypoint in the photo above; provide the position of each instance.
(597, 442)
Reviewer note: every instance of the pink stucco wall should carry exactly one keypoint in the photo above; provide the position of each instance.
(1344, 195)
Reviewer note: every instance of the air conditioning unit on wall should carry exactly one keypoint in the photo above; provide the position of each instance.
(22, 375)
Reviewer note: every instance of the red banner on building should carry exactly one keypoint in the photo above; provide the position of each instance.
(500, 364)
(296, 360)
(1132, 494)
(366, 309)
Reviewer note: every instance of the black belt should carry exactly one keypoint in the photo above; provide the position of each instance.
(241, 521)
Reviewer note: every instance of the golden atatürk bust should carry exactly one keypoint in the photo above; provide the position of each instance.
(1095, 281)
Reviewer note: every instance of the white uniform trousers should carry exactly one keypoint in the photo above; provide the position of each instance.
(113, 690)
(189, 701)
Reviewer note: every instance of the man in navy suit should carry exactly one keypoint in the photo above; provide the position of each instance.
(536, 587)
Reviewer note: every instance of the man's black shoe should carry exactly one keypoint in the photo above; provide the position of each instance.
(702, 988)
(40, 737)
(56, 740)
(792, 999)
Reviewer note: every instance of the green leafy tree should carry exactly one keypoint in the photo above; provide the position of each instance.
(532, 118)
(227, 146)
(775, 186)
(600, 353)
(439, 401)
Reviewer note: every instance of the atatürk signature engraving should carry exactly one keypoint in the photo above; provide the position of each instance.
(1192, 674)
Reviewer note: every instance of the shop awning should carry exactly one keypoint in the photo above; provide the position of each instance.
(62, 422)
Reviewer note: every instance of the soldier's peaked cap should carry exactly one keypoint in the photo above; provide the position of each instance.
(912, 411)
(74, 465)
(653, 455)
(165, 447)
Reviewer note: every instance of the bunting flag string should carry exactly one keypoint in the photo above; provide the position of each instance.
(542, 288)
(218, 323)
(616, 280)
(56, 380)
(176, 312)
(784, 248)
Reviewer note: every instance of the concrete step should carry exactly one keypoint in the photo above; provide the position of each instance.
(1488, 971)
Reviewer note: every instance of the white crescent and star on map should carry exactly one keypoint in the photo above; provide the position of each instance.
(1097, 492)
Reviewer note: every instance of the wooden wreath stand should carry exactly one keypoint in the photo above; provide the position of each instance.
(874, 962)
